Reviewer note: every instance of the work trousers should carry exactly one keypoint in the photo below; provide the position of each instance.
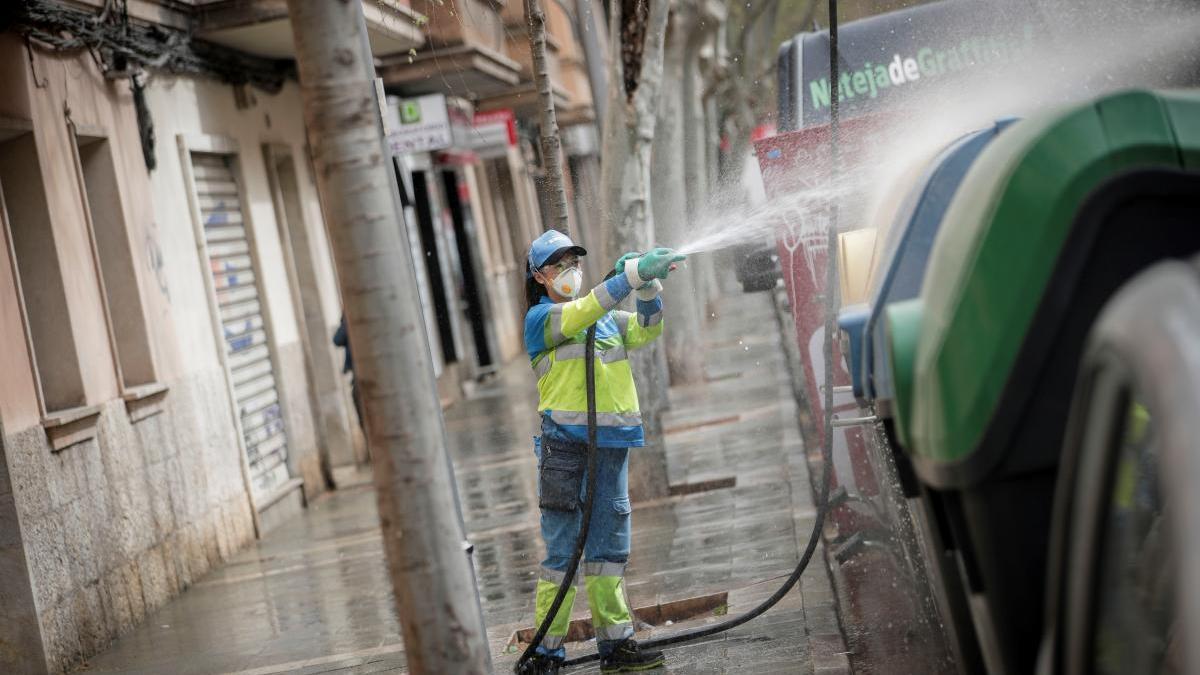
(606, 553)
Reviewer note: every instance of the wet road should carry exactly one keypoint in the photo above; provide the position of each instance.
(313, 595)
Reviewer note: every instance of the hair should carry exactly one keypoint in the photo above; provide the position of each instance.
(534, 290)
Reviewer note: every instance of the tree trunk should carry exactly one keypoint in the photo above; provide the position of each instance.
(553, 182)
(423, 535)
(635, 73)
(696, 168)
(591, 35)
(683, 311)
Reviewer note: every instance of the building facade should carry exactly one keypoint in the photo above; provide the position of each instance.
(168, 386)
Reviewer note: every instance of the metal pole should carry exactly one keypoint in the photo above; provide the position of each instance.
(423, 537)
(831, 257)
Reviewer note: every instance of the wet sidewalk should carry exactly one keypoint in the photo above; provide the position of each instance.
(313, 596)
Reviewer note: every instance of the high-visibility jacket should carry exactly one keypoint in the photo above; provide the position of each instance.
(555, 334)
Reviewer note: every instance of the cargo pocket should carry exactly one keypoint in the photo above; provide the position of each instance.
(560, 477)
(620, 535)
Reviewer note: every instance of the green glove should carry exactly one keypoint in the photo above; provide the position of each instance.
(620, 266)
(658, 263)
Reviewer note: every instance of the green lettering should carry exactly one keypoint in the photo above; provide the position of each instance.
(860, 83)
(954, 61)
(925, 62)
(844, 89)
(819, 90)
(882, 80)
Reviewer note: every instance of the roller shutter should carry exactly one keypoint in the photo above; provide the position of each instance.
(247, 338)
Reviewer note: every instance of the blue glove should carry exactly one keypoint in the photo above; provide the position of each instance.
(658, 263)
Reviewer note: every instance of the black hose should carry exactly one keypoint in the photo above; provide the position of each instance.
(589, 354)
(813, 539)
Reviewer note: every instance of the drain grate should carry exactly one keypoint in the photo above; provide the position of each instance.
(714, 604)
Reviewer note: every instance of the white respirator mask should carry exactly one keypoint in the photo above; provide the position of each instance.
(567, 282)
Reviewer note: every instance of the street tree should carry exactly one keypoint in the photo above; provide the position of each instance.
(551, 142)
(674, 206)
(637, 29)
(423, 533)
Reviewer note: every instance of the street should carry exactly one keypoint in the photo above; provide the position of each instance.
(313, 596)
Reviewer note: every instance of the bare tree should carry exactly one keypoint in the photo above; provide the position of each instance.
(747, 87)
(637, 29)
(684, 337)
(423, 533)
(700, 148)
(550, 140)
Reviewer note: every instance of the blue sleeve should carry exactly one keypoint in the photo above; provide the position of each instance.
(618, 287)
(535, 333)
(649, 309)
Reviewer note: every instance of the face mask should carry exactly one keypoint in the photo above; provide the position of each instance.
(567, 282)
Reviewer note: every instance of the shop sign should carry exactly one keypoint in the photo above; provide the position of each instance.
(490, 133)
(419, 124)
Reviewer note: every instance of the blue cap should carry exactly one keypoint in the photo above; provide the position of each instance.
(551, 242)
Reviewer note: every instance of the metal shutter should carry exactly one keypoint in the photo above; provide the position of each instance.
(247, 350)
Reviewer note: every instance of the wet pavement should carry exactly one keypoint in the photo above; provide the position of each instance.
(313, 596)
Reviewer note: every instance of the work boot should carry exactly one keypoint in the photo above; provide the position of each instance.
(628, 657)
(541, 664)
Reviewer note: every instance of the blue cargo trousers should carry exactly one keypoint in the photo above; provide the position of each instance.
(605, 553)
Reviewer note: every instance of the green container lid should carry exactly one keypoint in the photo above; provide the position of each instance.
(954, 347)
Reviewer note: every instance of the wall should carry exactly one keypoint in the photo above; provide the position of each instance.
(194, 108)
(96, 535)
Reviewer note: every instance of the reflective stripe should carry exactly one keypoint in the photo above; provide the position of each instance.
(553, 642)
(652, 320)
(556, 319)
(613, 355)
(568, 352)
(606, 300)
(553, 576)
(604, 569)
(603, 419)
(577, 351)
(541, 367)
(622, 319)
(618, 631)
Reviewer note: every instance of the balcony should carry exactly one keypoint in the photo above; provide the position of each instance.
(261, 27)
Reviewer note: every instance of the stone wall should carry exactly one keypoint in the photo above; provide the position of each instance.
(115, 526)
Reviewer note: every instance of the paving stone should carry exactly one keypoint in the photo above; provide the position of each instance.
(314, 596)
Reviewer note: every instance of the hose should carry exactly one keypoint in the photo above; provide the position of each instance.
(589, 360)
(813, 538)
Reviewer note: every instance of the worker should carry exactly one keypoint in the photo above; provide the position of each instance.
(556, 323)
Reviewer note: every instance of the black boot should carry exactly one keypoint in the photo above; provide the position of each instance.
(628, 657)
(540, 664)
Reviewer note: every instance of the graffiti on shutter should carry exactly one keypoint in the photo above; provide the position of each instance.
(248, 356)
